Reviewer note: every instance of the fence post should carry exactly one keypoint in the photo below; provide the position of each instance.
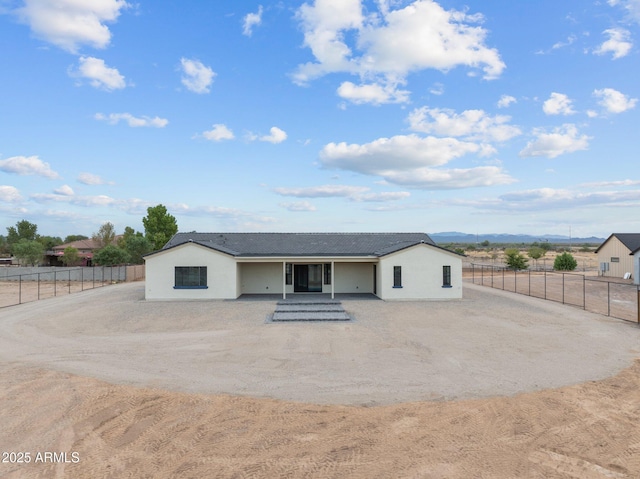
(38, 286)
(584, 292)
(545, 281)
(503, 279)
(562, 288)
(473, 273)
(69, 284)
(81, 278)
(515, 280)
(492, 269)
(55, 283)
(20, 289)
(608, 298)
(529, 282)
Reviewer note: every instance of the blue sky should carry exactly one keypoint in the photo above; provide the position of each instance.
(325, 115)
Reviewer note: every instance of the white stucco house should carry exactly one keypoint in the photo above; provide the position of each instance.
(392, 266)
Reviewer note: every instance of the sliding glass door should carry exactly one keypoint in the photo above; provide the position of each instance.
(307, 278)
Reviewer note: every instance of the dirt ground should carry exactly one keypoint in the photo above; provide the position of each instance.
(585, 429)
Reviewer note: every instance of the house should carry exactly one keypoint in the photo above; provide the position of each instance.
(615, 255)
(392, 266)
(86, 249)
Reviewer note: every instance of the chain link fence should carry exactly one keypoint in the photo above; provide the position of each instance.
(617, 299)
(22, 285)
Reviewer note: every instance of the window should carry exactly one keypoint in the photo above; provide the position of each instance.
(615, 259)
(327, 273)
(288, 274)
(446, 276)
(397, 276)
(191, 277)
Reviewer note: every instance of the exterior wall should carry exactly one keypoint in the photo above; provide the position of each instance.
(352, 278)
(614, 248)
(421, 274)
(222, 273)
(636, 267)
(260, 278)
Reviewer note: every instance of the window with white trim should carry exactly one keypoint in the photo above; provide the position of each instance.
(397, 276)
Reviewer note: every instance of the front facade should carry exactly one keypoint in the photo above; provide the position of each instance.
(393, 266)
(615, 255)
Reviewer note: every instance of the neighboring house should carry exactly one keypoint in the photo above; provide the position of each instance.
(226, 265)
(615, 255)
(86, 249)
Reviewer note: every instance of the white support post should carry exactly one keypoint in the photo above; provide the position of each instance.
(284, 280)
(333, 281)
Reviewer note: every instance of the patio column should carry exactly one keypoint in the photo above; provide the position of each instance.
(284, 280)
(333, 282)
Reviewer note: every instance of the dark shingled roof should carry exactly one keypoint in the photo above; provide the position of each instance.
(630, 240)
(303, 244)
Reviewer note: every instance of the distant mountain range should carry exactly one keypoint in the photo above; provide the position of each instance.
(457, 237)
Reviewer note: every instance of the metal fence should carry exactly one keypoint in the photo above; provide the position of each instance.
(33, 285)
(616, 299)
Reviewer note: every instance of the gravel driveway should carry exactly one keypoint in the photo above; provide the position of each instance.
(489, 343)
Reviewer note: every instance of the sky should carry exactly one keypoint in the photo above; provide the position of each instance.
(483, 117)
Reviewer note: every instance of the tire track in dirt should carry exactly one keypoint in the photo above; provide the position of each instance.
(585, 431)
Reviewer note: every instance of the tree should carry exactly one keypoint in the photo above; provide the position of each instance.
(134, 243)
(159, 226)
(514, 259)
(71, 256)
(565, 262)
(22, 230)
(28, 251)
(105, 235)
(111, 255)
(49, 241)
(72, 238)
(535, 253)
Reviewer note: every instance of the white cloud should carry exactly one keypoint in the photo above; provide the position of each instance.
(86, 201)
(196, 76)
(412, 160)
(99, 74)
(388, 45)
(546, 199)
(28, 165)
(251, 20)
(298, 206)
(558, 104)
(132, 121)
(276, 135)
(631, 6)
(91, 179)
(9, 194)
(570, 40)
(456, 178)
(613, 101)
(324, 191)
(402, 152)
(618, 43)
(372, 93)
(470, 124)
(564, 139)
(64, 190)
(71, 23)
(506, 100)
(382, 197)
(219, 132)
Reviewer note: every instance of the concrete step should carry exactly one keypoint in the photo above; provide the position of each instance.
(309, 307)
(310, 316)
